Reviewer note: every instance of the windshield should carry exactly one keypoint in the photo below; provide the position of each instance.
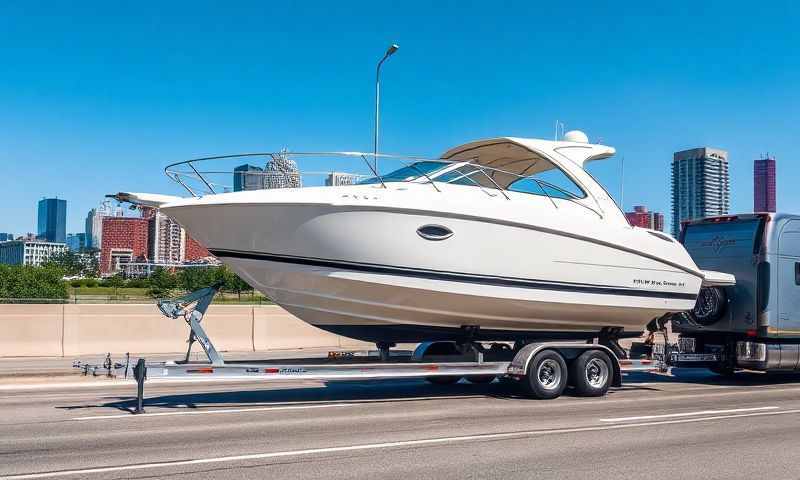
(407, 173)
(726, 239)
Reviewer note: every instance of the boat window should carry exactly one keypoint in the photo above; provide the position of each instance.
(552, 183)
(407, 173)
(465, 175)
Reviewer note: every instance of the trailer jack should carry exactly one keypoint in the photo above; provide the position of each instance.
(192, 307)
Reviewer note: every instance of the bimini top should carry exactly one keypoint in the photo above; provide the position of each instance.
(527, 156)
(512, 157)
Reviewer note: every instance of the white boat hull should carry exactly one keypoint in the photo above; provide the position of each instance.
(363, 270)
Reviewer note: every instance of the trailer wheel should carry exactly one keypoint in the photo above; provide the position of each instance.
(591, 373)
(547, 375)
(437, 349)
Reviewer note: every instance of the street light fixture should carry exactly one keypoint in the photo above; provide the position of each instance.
(389, 52)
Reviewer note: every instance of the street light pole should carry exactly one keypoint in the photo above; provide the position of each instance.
(392, 48)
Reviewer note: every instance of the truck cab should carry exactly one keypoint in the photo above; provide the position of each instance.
(754, 324)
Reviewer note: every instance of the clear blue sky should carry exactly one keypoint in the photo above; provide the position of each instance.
(96, 97)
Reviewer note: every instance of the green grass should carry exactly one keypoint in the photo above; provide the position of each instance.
(128, 292)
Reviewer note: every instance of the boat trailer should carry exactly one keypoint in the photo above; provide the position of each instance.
(478, 365)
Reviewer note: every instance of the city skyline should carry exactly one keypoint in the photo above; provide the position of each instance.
(152, 92)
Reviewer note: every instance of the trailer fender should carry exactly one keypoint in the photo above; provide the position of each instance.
(570, 351)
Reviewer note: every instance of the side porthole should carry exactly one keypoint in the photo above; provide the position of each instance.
(434, 232)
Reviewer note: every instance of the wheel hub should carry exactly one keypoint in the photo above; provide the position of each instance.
(549, 374)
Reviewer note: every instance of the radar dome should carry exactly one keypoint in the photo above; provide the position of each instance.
(576, 136)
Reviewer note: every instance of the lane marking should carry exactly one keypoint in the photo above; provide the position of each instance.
(222, 410)
(687, 414)
(376, 446)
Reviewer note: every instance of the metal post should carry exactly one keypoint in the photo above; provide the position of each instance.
(392, 48)
(140, 373)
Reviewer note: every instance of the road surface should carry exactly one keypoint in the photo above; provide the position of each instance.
(692, 425)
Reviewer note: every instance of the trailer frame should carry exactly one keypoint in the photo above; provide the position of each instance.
(471, 362)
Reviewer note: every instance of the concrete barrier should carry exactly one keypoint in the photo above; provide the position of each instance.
(71, 330)
(31, 330)
(276, 329)
(141, 328)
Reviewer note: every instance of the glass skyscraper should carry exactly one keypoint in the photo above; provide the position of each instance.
(700, 185)
(248, 177)
(52, 220)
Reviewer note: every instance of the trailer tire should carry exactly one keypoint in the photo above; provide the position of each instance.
(441, 348)
(592, 373)
(547, 375)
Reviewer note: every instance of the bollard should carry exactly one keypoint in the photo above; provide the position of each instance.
(140, 374)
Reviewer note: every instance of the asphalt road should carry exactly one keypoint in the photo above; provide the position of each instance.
(692, 425)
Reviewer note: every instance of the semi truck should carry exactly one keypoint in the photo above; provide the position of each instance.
(755, 324)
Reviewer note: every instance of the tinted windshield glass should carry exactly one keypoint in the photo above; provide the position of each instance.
(552, 183)
(727, 239)
(466, 175)
(407, 173)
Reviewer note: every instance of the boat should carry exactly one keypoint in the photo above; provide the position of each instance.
(498, 239)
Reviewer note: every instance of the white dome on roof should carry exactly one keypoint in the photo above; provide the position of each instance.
(576, 136)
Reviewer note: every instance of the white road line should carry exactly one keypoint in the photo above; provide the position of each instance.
(375, 446)
(222, 410)
(687, 414)
(11, 387)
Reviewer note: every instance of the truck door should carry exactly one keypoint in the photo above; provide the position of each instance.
(789, 280)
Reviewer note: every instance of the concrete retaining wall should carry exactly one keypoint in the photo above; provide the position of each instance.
(71, 330)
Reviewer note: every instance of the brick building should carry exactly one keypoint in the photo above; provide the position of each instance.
(124, 240)
(194, 250)
(764, 185)
(640, 217)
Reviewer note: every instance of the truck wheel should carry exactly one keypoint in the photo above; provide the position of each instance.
(591, 373)
(547, 375)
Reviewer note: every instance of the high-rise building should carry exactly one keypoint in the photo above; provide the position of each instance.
(336, 179)
(5, 237)
(124, 240)
(700, 185)
(281, 172)
(52, 220)
(94, 223)
(641, 217)
(167, 238)
(764, 193)
(76, 241)
(248, 177)
(24, 252)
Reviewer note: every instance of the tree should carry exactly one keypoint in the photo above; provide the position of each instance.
(84, 264)
(68, 261)
(115, 282)
(162, 282)
(234, 283)
(25, 281)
